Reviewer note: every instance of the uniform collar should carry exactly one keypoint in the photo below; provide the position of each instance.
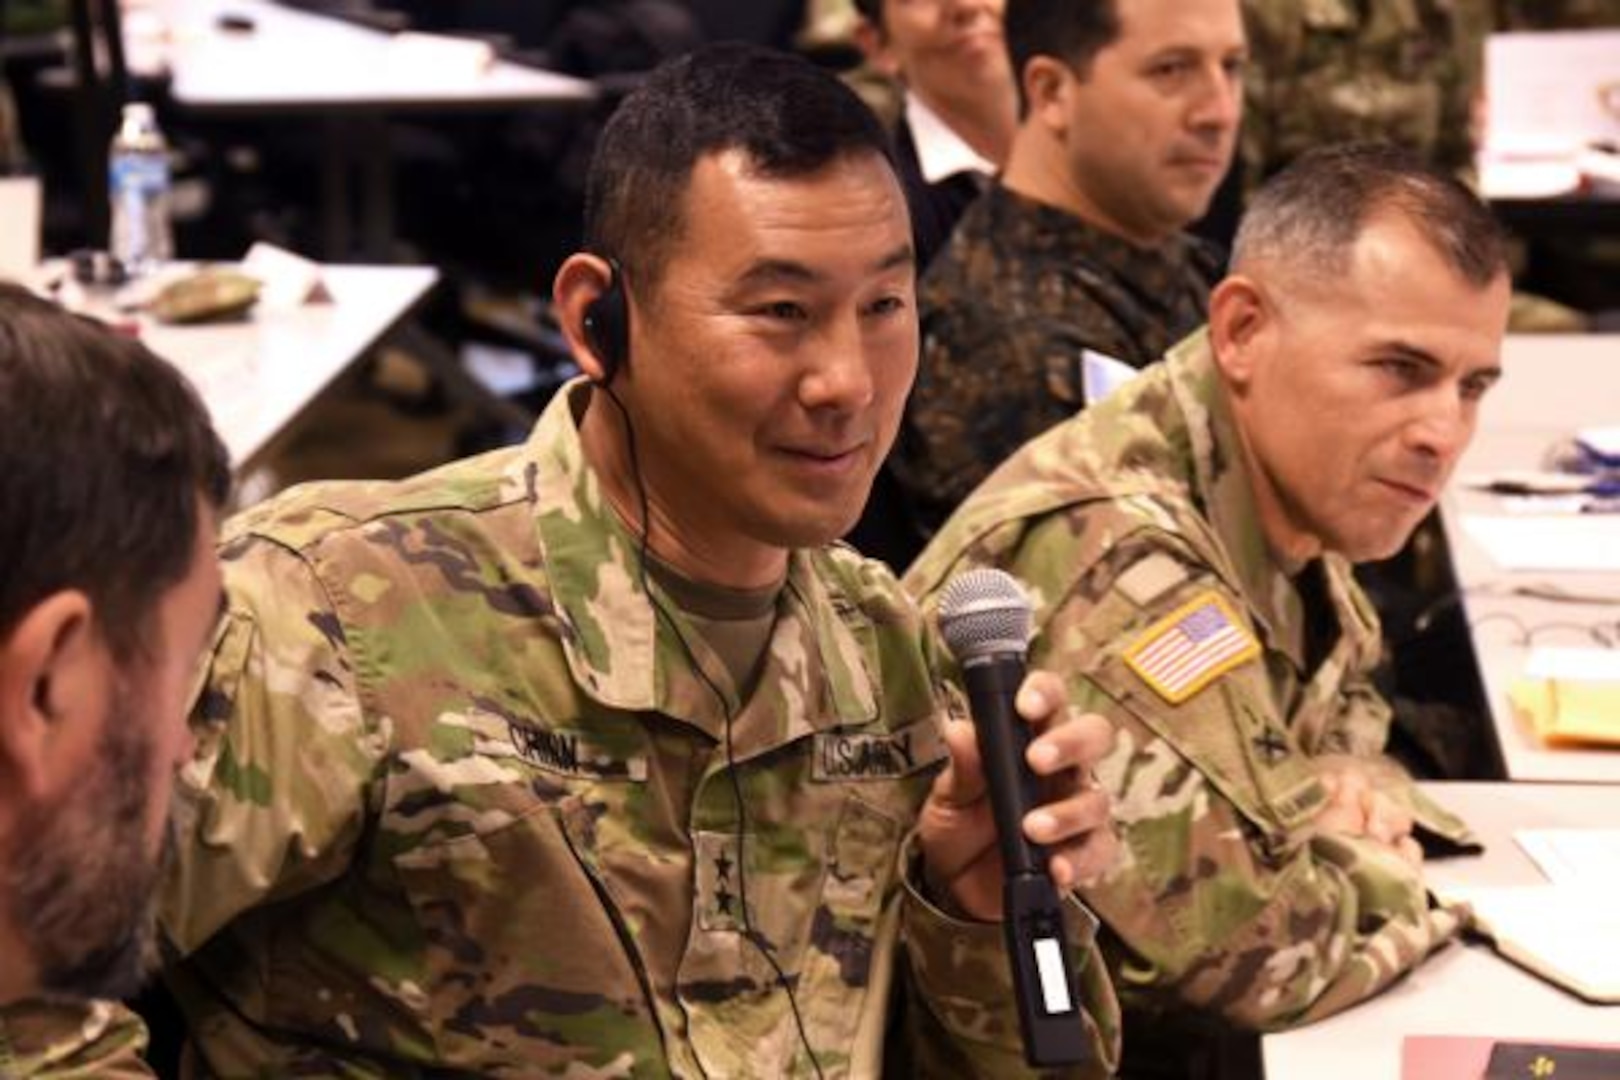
(1222, 489)
(621, 654)
(941, 152)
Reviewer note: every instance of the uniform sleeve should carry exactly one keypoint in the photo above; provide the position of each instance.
(98, 1040)
(1268, 58)
(271, 805)
(1225, 899)
(1461, 81)
(1360, 725)
(961, 1018)
(277, 795)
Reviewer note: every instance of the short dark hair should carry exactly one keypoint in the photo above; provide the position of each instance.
(1312, 213)
(1074, 31)
(105, 455)
(789, 117)
(871, 10)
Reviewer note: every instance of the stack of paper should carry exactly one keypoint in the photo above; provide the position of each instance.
(1570, 696)
(1573, 542)
(1550, 110)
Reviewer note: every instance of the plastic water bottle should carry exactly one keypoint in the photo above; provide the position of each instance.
(138, 174)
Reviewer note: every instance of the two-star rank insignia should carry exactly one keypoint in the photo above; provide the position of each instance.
(719, 888)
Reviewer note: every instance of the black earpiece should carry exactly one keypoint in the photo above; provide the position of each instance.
(607, 325)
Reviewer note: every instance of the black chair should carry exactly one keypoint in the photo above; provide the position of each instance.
(762, 22)
(101, 86)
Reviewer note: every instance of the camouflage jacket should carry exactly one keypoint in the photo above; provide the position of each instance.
(1326, 71)
(464, 809)
(1134, 527)
(1019, 293)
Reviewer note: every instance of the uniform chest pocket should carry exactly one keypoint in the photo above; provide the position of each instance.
(513, 956)
(848, 955)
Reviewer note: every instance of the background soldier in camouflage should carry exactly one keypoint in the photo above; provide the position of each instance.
(1328, 71)
(1189, 543)
(1130, 114)
(571, 759)
(111, 481)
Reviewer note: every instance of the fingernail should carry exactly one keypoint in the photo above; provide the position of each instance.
(1040, 824)
(1031, 700)
(1043, 757)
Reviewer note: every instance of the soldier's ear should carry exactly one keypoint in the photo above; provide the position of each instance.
(1047, 83)
(582, 279)
(1240, 316)
(874, 45)
(55, 675)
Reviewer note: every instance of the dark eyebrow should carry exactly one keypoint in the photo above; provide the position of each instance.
(1419, 355)
(900, 256)
(782, 271)
(1407, 351)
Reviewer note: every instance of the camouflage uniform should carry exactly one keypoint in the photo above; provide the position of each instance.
(1226, 907)
(1326, 71)
(1020, 291)
(464, 807)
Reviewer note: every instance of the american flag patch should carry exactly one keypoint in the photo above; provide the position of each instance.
(1184, 652)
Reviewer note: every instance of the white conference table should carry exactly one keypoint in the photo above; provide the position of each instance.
(1465, 989)
(1554, 384)
(258, 375)
(351, 78)
(293, 60)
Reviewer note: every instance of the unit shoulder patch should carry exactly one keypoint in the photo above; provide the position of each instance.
(1191, 647)
(1148, 579)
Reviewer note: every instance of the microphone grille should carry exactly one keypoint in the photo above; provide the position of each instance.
(983, 612)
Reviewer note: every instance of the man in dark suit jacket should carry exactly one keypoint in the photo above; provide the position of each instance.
(961, 105)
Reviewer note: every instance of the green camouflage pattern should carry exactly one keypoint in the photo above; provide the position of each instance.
(463, 806)
(1018, 294)
(1227, 905)
(1327, 71)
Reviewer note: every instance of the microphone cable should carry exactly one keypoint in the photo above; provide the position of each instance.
(753, 936)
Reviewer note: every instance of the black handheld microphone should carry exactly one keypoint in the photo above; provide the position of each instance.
(984, 617)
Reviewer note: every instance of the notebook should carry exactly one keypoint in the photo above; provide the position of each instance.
(1479, 1057)
(1567, 934)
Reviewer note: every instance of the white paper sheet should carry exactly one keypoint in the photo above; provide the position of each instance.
(1579, 665)
(1584, 857)
(1102, 374)
(1547, 541)
(1570, 935)
(1543, 87)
